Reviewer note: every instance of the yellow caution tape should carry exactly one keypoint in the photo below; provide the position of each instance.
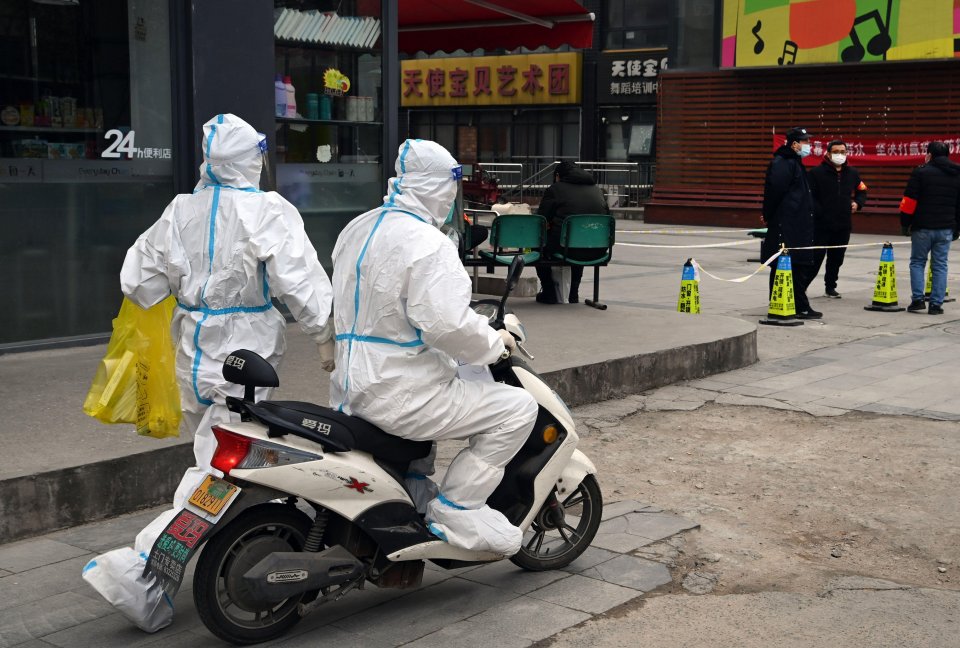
(703, 245)
(762, 266)
(669, 231)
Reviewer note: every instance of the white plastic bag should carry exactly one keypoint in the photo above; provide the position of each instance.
(118, 576)
(561, 281)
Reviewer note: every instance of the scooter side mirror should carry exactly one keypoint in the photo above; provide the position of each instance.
(513, 277)
(514, 272)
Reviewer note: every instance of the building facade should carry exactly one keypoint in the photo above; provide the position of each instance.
(101, 105)
(614, 118)
(878, 74)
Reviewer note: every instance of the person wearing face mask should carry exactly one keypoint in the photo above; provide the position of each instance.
(403, 321)
(788, 215)
(837, 192)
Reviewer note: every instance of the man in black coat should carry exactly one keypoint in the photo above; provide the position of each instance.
(788, 214)
(930, 214)
(574, 191)
(837, 193)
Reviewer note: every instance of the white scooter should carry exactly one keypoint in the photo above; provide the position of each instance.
(312, 503)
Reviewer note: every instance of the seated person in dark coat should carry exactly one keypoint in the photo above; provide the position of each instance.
(574, 191)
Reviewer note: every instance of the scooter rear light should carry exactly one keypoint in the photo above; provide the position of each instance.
(241, 452)
(264, 454)
(231, 449)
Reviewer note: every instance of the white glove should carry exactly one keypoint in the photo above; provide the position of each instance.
(327, 350)
(509, 342)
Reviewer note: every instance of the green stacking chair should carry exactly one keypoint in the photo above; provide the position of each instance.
(588, 231)
(512, 234)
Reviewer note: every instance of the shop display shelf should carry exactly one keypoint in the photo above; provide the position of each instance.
(325, 46)
(47, 129)
(321, 122)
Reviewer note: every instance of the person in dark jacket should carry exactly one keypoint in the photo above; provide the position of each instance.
(788, 215)
(837, 193)
(930, 215)
(574, 191)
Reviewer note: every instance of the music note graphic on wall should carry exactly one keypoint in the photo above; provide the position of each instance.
(789, 56)
(877, 46)
(758, 46)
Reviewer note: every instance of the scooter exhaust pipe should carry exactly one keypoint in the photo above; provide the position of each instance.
(282, 575)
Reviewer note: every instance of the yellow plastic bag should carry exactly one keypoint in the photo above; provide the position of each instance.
(136, 381)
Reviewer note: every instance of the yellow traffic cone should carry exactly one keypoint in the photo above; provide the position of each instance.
(689, 301)
(782, 311)
(929, 286)
(885, 292)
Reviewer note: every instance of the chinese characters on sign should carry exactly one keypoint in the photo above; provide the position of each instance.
(492, 80)
(635, 76)
(123, 143)
(877, 152)
(173, 549)
(630, 76)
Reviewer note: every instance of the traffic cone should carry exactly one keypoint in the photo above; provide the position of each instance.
(689, 301)
(782, 311)
(929, 286)
(885, 292)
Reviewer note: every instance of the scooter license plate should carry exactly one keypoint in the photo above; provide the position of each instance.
(214, 495)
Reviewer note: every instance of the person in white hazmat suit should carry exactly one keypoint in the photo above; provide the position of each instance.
(403, 320)
(222, 252)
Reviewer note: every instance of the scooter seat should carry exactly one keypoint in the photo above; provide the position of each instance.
(336, 431)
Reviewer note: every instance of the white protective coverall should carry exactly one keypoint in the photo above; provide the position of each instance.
(223, 252)
(403, 319)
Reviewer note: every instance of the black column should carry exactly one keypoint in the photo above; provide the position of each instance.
(589, 132)
(233, 65)
(390, 86)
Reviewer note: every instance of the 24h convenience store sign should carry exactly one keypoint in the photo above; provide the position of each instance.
(519, 79)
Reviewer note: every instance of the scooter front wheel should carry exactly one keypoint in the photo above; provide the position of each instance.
(223, 602)
(563, 529)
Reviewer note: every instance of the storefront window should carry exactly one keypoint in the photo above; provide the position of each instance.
(86, 159)
(628, 134)
(683, 27)
(329, 145)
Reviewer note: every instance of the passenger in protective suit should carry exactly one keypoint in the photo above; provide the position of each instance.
(223, 252)
(403, 320)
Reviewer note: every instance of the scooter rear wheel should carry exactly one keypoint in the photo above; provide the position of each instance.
(218, 590)
(557, 538)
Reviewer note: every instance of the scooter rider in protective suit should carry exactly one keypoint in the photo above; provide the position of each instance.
(223, 252)
(403, 320)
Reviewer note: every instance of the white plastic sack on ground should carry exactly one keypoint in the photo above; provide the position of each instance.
(561, 281)
(118, 576)
(482, 529)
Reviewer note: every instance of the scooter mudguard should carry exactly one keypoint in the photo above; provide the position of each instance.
(576, 469)
(189, 529)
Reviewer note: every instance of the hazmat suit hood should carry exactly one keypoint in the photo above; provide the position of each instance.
(426, 181)
(232, 153)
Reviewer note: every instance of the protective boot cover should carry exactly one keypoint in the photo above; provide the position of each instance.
(118, 577)
(422, 489)
(482, 529)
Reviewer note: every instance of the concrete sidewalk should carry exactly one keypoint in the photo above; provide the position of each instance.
(60, 468)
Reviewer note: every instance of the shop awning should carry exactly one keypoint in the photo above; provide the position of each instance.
(448, 25)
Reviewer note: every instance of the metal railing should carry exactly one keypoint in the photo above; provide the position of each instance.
(626, 184)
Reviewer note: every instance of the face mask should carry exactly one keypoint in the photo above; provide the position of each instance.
(804, 150)
(838, 158)
(450, 214)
